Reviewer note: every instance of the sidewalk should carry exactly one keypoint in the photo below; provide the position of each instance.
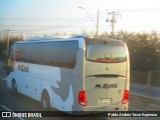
(143, 90)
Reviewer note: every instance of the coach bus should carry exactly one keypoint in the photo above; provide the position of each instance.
(71, 74)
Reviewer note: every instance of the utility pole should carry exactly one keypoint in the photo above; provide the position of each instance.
(0, 36)
(113, 20)
(7, 41)
(97, 26)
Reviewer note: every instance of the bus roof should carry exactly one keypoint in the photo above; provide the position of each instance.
(80, 39)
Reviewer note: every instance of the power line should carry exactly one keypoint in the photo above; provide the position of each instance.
(137, 10)
(65, 19)
(78, 21)
(84, 19)
(71, 22)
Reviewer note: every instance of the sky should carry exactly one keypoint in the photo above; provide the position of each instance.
(64, 16)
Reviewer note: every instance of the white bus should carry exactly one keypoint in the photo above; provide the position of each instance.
(71, 74)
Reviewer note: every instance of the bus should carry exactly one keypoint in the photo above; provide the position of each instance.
(71, 74)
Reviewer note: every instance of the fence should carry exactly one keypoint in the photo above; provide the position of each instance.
(152, 78)
(148, 83)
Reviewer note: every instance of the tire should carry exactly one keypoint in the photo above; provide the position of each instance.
(14, 87)
(45, 101)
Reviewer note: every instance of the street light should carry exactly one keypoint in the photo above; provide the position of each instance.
(87, 14)
(97, 25)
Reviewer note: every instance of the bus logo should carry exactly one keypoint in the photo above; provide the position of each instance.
(107, 68)
(106, 86)
(23, 68)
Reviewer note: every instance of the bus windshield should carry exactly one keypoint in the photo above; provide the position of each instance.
(106, 53)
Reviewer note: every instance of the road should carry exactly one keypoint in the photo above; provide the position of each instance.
(9, 102)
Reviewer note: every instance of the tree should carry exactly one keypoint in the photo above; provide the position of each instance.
(144, 49)
(12, 39)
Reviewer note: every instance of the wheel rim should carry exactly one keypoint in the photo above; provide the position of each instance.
(45, 101)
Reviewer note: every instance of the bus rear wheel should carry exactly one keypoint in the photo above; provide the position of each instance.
(45, 101)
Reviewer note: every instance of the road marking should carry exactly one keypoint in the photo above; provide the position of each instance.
(3, 78)
(6, 108)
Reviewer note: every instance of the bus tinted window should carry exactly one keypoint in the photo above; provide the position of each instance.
(67, 52)
(60, 54)
(106, 53)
